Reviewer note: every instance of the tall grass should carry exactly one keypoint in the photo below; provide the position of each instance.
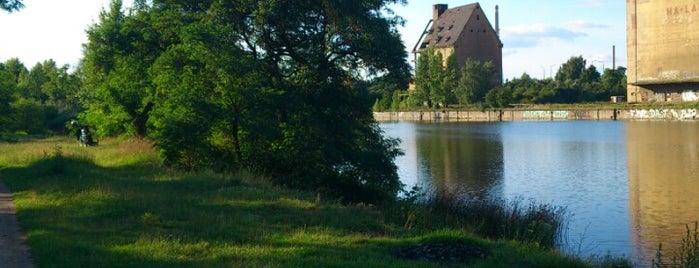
(538, 224)
(686, 256)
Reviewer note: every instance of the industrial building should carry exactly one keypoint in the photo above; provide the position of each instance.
(663, 50)
(465, 32)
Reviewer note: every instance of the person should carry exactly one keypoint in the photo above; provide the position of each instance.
(82, 134)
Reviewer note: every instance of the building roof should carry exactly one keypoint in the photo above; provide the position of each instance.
(446, 29)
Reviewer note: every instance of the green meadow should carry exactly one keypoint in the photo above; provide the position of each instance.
(115, 205)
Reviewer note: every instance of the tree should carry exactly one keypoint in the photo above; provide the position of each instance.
(11, 5)
(571, 70)
(271, 86)
(474, 82)
(423, 80)
(435, 79)
(117, 58)
(7, 88)
(614, 81)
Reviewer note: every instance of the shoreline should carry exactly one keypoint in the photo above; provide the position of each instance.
(553, 114)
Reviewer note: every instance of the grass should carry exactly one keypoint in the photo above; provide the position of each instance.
(115, 206)
(686, 256)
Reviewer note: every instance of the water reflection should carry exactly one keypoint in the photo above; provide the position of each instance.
(461, 161)
(663, 182)
(627, 185)
(450, 159)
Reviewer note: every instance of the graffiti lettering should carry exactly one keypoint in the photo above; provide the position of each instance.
(545, 115)
(675, 114)
(674, 11)
(689, 96)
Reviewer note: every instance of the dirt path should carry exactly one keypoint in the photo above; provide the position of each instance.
(14, 251)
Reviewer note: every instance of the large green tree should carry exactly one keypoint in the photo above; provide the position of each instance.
(121, 48)
(474, 82)
(435, 79)
(264, 85)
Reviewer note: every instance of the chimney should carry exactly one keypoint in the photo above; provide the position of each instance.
(437, 10)
(614, 57)
(497, 21)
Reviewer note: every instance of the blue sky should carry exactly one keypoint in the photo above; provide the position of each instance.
(538, 35)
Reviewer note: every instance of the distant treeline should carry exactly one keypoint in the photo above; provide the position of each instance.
(39, 100)
(439, 85)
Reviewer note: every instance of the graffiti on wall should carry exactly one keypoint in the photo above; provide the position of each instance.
(675, 114)
(545, 115)
(689, 95)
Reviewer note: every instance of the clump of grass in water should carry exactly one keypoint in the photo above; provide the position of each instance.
(539, 224)
(688, 254)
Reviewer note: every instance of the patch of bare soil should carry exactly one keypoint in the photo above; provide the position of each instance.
(14, 251)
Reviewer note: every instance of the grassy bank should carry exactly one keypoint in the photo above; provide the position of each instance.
(115, 206)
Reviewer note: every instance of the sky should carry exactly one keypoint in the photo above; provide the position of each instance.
(538, 35)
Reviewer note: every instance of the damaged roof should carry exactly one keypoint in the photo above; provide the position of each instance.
(446, 29)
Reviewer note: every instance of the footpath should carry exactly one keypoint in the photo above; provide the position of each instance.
(14, 251)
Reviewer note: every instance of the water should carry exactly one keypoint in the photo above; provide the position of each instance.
(627, 186)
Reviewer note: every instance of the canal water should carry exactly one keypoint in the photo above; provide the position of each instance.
(626, 185)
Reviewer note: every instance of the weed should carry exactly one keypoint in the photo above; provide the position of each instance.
(687, 255)
(538, 224)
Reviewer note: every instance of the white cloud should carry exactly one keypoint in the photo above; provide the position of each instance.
(582, 24)
(529, 35)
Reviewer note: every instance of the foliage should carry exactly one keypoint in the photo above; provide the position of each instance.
(686, 256)
(117, 57)
(7, 88)
(263, 85)
(39, 100)
(573, 84)
(475, 82)
(440, 82)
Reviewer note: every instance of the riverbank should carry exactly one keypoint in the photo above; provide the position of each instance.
(114, 205)
(541, 114)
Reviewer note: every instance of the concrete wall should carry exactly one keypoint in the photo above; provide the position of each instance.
(540, 115)
(662, 50)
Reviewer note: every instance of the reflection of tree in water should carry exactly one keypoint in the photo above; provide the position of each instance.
(463, 159)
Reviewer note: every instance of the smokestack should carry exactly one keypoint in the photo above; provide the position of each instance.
(613, 57)
(437, 10)
(497, 21)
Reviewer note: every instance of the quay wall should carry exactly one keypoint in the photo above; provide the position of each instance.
(538, 115)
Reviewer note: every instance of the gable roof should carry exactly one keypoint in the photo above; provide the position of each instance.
(446, 29)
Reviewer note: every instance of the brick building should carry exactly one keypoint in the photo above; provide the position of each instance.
(465, 32)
